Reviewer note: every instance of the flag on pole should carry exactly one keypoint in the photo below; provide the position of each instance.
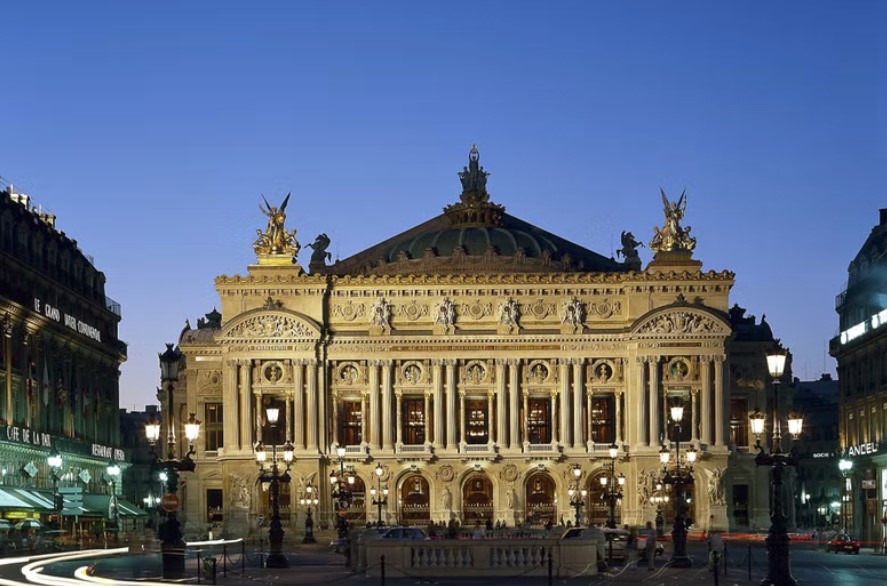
(60, 394)
(32, 374)
(84, 402)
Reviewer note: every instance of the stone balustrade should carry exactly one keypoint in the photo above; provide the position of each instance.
(479, 558)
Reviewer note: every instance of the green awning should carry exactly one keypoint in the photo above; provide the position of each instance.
(35, 499)
(100, 504)
(10, 501)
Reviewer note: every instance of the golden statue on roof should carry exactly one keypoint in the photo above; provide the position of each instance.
(276, 241)
(672, 236)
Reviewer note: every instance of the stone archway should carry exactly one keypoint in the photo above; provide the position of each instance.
(477, 499)
(414, 501)
(540, 496)
(357, 512)
(597, 508)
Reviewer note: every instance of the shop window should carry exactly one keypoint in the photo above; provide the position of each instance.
(213, 418)
(539, 420)
(350, 423)
(413, 421)
(477, 421)
(603, 420)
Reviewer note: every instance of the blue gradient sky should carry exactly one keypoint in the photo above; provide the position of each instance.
(151, 132)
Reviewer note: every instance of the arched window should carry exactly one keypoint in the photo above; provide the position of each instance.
(415, 500)
(477, 499)
(540, 499)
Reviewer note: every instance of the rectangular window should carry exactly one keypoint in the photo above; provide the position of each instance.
(413, 421)
(679, 430)
(539, 420)
(350, 428)
(477, 421)
(213, 416)
(739, 423)
(273, 434)
(214, 505)
(603, 420)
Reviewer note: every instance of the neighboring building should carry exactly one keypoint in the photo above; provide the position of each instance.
(141, 481)
(59, 368)
(819, 480)
(477, 358)
(861, 352)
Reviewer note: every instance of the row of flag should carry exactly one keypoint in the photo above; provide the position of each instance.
(59, 390)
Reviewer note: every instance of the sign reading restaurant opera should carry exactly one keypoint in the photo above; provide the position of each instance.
(72, 322)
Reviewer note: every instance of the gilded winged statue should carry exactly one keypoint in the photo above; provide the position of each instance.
(672, 236)
(276, 239)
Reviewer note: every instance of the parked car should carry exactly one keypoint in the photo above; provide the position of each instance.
(843, 542)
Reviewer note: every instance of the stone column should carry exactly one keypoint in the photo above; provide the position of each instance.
(386, 405)
(462, 418)
(655, 427)
(501, 390)
(299, 401)
(563, 432)
(553, 407)
(259, 413)
(513, 392)
(451, 404)
(247, 439)
(527, 416)
(323, 429)
(399, 421)
(694, 416)
(635, 404)
(577, 403)
(288, 432)
(437, 384)
(364, 416)
(426, 412)
(335, 422)
(311, 412)
(230, 433)
(374, 436)
(588, 397)
(617, 398)
(490, 424)
(720, 423)
(705, 403)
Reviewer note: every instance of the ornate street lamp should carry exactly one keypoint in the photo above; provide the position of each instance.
(845, 466)
(612, 494)
(172, 545)
(54, 459)
(681, 477)
(113, 470)
(778, 563)
(274, 477)
(342, 495)
(382, 494)
(309, 500)
(577, 495)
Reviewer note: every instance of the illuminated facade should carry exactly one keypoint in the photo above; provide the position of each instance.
(861, 351)
(478, 358)
(59, 368)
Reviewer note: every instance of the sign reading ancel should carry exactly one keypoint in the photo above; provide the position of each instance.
(863, 449)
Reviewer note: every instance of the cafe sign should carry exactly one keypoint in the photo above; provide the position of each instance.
(23, 435)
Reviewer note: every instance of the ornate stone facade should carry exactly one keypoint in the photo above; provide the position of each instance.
(477, 358)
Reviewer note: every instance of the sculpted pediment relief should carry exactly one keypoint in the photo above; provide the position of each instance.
(271, 326)
(685, 322)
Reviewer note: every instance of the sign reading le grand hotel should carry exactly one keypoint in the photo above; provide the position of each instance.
(480, 361)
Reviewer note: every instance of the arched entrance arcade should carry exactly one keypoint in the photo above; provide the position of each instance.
(477, 499)
(414, 501)
(541, 499)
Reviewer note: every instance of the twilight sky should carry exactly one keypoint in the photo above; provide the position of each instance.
(152, 130)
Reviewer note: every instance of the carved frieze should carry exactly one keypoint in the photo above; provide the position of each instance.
(348, 311)
(412, 310)
(209, 381)
(476, 310)
(682, 322)
(270, 326)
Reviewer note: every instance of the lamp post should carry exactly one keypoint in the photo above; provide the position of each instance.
(382, 494)
(274, 477)
(308, 500)
(778, 563)
(612, 494)
(845, 466)
(342, 493)
(55, 466)
(172, 545)
(113, 471)
(680, 478)
(577, 496)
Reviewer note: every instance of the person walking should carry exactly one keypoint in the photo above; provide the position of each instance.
(650, 547)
